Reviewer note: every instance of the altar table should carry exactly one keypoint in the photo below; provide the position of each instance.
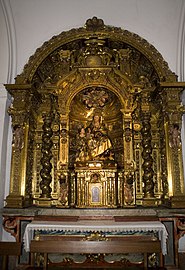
(96, 226)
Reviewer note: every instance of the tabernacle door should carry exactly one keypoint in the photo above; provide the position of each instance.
(96, 184)
(95, 193)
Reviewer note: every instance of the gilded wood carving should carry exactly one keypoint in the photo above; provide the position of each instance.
(96, 121)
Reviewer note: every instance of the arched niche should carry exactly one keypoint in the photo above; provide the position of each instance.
(142, 117)
(85, 105)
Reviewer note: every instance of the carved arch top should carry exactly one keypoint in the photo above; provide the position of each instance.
(81, 79)
(113, 45)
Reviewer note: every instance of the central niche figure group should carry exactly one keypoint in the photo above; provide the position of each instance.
(93, 142)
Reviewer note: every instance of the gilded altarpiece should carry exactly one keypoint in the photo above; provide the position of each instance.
(96, 119)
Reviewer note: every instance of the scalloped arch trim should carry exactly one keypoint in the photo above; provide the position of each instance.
(95, 28)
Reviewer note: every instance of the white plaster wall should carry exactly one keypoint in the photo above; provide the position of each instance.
(38, 20)
(3, 98)
(26, 24)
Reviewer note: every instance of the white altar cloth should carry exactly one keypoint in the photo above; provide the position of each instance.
(99, 226)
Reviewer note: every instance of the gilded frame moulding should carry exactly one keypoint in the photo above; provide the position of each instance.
(138, 102)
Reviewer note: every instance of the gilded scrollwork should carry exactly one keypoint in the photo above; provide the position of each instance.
(95, 24)
(93, 98)
(95, 236)
(90, 101)
(95, 53)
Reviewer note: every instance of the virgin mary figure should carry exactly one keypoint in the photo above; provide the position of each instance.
(98, 143)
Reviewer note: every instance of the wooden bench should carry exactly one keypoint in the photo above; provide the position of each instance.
(95, 247)
(9, 249)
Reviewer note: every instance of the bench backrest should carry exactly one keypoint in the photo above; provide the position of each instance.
(93, 247)
(9, 249)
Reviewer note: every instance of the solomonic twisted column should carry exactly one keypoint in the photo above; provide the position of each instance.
(147, 156)
(46, 157)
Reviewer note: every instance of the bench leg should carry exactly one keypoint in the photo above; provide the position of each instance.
(145, 261)
(32, 259)
(161, 259)
(5, 262)
(45, 261)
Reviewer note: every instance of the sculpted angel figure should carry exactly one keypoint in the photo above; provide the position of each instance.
(63, 193)
(18, 134)
(175, 136)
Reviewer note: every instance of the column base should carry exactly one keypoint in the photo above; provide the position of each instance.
(177, 201)
(14, 201)
(44, 202)
(150, 202)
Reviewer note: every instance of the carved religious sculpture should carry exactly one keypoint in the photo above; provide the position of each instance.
(94, 143)
(91, 102)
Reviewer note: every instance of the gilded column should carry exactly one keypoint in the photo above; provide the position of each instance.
(147, 165)
(129, 164)
(21, 113)
(163, 161)
(147, 156)
(46, 161)
(173, 122)
(63, 159)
